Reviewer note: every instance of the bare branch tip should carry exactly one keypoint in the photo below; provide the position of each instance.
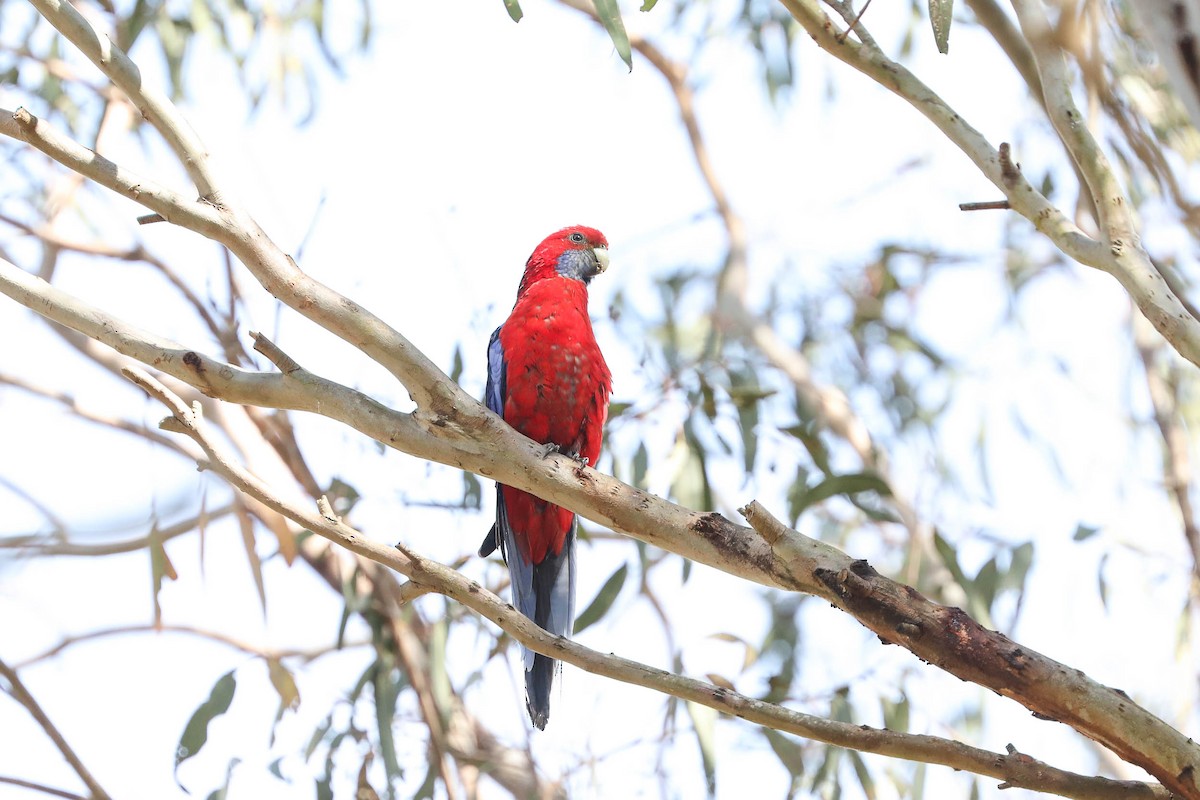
(986, 205)
(325, 509)
(1010, 171)
(286, 364)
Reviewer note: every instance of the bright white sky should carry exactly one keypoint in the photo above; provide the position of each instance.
(441, 159)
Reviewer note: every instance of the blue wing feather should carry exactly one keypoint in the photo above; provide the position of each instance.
(497, 387)
(501, 535)
(545, 593)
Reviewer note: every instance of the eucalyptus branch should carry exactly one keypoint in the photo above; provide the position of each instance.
(192, 214)
(249, 648)
(783, 559)
(19, 693)
(1121, 255)
(1015, 769)
(155, 106)
(95, 415)
(41, 787)
(215, 215)
(36, 547)
(1115, 216)
(1176, 462)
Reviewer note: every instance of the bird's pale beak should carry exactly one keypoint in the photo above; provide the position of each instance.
(601, 258)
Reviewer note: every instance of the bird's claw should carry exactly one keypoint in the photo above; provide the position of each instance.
(551, 447)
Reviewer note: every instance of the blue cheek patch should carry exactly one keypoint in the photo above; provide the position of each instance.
(577, 264)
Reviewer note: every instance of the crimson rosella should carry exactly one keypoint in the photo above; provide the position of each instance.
(547, 378)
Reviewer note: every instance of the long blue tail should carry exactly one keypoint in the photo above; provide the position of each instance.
(554, 610)
(545, 593)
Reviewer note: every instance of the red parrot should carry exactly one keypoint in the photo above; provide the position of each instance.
(547, 378)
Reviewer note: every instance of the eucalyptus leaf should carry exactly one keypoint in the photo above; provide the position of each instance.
(603, 600)
(195, 733)
(941, 12)
(610, 16)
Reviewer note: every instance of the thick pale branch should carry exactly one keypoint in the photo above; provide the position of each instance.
(174, 207)
(778, 558)
(1014, 769)
(1115, 217)
(1122, 256)
(233, 227)
(156, 107)
(950, 639)
(893, 76)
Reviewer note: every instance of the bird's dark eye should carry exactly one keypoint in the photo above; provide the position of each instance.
(576, 237)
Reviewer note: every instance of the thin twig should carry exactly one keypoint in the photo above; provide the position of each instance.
(41, 787)
(19, 693)
(308, 654)
(115, 548)
(986, 205)
(1176, 463)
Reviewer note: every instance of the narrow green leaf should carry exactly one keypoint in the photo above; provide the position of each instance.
(223, 792)
(342, 496)
(439, 678)
(603, 600)
(386, 692)
(648, 4)
(746, 394)
(285, 685)
(318, 736)
(950, 559)
(641, 463)
(1084, 532)
(848, 484)
(195, 733)
(160, 568)
(472, 491)
(941, 12)
(514, 10)
(616, 408)
(704, 720)
(610, 16)
(1102, 582)
(983, 594)
(796, 493)
(246, 524)
(864, 775)
(895, 714)
(789, 752)
(1183, 631)
(1018, 568)
(456, 364)
(809, 436)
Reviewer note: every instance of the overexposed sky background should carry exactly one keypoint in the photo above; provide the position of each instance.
(429, 173)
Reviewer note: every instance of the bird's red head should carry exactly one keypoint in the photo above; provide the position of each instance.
(575, 253)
